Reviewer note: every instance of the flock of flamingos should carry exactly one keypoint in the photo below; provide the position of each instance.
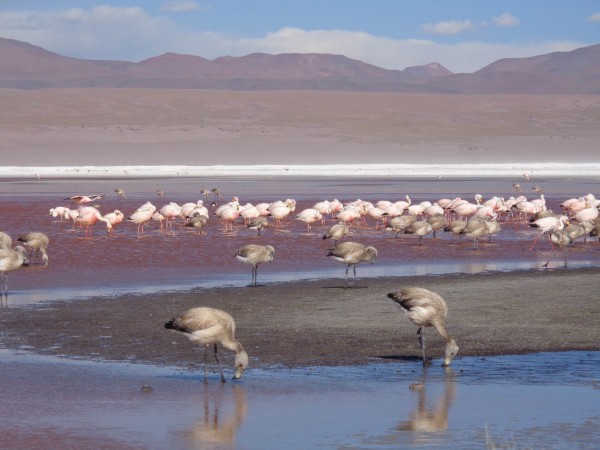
(474, 220)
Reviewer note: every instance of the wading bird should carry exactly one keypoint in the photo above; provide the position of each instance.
(255, 254)
(425, 308)
(206, 326)
(351, 254)
(37, 242)
(10, 259)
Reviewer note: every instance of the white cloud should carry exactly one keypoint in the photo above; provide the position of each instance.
(131, 34)
(448, 28)
(594, 17)
(180, 6)
(506, 20)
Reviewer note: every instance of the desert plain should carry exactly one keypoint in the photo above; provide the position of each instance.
(94, 126)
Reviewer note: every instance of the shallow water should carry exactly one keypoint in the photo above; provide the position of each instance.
(546, 400)
(532, 401)
(181, 259)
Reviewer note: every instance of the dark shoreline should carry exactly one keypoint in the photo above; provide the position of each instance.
(321, 323)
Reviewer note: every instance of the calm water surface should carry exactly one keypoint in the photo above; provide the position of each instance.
(182, 259)
(549, 400)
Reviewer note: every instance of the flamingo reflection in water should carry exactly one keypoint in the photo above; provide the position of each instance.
(218, 429)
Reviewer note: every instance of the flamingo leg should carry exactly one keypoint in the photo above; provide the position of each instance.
(206, 364)
(551, 256)
(219, 364)
(421, 334)
(565, 254)
(346, 279)
(535, 240)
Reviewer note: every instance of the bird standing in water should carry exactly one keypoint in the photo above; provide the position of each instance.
(425, 308)
(206, 326)
(255, 254)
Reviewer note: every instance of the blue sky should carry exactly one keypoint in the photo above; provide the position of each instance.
(462, 35)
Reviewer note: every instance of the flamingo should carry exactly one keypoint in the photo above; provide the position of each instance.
(170, 213)
(120, 193)
(475, 228)
(336, 206)
(351, 254)
(197, 221)
(437, 222)
(456, 227)
(5, 240)
(10, 259)
(425, 308)
(398, 224)
(142, 215)
(376, 214)
(83, 199)
(88, 216)
(337, 231)
(258, 224)
(115, 217)
(187, 208)
(586, 214)
(249, 212)
(348, 214)
(255, 254)
(59, 211)
(38, 242)
(309, 216)
(160, 193)
(324, 208)
(206, 326)
(562, 239)
(419, 228)
(279, 212)
(228, 215)
(547, 224)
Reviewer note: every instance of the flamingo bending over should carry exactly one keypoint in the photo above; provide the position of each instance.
(37, 242)
(88, 216)
(206, 326)
(425, 308)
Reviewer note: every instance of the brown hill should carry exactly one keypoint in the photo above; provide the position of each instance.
(25, 66)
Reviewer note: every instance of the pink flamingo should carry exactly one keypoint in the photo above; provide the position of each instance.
(83, 199)
(170, 212)
(279, 212)
(115, 217)
(87, 218)
(309, 216)
(549, 224)
(228, 216)
(249, 212)
(324, 208)
(142, 215)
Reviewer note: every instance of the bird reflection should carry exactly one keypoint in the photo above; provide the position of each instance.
(432, 417)
(218, 429)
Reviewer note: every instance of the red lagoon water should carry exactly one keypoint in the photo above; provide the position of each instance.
(181, 259)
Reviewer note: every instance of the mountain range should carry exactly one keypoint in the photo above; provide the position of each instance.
(25, 66)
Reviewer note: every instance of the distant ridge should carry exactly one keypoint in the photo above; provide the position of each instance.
(25, 66)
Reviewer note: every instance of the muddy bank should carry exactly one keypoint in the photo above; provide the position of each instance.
(322, 323)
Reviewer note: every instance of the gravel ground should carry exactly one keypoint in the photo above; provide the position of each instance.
(323, 323)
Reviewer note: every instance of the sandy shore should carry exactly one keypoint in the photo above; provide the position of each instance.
(322, 323)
